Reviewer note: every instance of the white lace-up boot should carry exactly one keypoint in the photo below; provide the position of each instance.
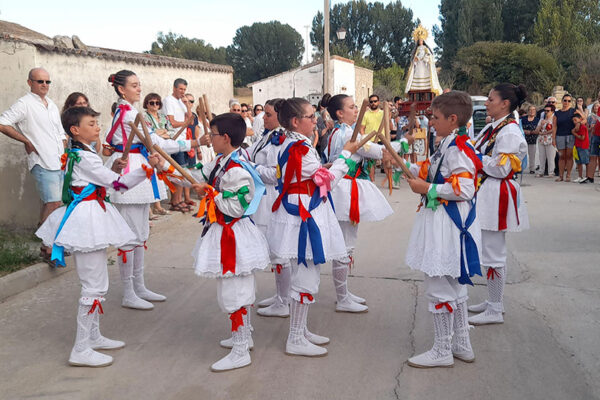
(82, 355)
(297, 344)
(481, 307)
(495, 307)
(138, 278)
(340, 280)
(130, 298)
(461, 342)
(440, 354)
(280, 307)
(99, 342)
(240, 355)
(228, 343)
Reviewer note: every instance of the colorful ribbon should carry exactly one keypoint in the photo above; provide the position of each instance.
(323, 178)
(515, 163)
(207, 205)
(237, 319)
(307, 295)
(506, 185)
(259, 186)
(445, 304)
(491, 272)
(240, 193)
(96, 304)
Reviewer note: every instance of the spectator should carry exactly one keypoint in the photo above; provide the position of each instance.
(594, 127)
(77, 99)
(372, 118)
(582, 144)
(324, 126)
(589, 107)
(157, 121)
(205, 151)
(546, 131)
(177, 113)
(236, 107)
(579, 106)
(530, 123)
(39, 128)
(564, 138)
(258, 125)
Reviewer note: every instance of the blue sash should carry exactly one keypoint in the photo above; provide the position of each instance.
(259, 186)
(144, 152)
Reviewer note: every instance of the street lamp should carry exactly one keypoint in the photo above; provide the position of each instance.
(341, 34)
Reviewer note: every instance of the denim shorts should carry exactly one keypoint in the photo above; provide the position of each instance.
(584, 156)
(49, 183)
(595, 146)
(565, 142)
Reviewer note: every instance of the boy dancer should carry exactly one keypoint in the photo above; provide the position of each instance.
(86, 225)
(437, 244)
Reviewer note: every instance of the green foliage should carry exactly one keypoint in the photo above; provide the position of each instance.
(583, 78)
(381, 33)
(173, 45)
(16, 250)
(264, 49)
(389, 82)
(484, 64)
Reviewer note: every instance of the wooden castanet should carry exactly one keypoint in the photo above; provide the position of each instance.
(361, 115)
(175, 165)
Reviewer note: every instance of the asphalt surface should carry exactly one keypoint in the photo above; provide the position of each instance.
(546, 349)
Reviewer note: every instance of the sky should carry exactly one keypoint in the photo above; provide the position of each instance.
(133, 25)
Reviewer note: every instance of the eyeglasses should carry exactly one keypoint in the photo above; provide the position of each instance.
(41, 81)
(312, 116)
(244, 110)
(191, 101)
(548, 110)
(373, 101)
(212, 135)
(154, 103)
(566, 101)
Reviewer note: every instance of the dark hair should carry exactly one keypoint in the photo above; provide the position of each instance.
(577, 114)
(454, 102)
(373, 95)
(335, 104)
(324, 100)
(113, 108)
(244, 105)
(72, 117)
(551, 106)
(120, 79)
(231, 124)
(516, 95)
(254, 109)
(179, 81)
(275, 103)
(290, 108)
(72, 99)
(151, 96)
(397, 98)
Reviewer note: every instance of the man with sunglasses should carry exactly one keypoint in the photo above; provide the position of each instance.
(34, 120)
(373, 116)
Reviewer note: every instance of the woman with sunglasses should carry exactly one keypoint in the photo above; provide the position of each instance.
(564, 138)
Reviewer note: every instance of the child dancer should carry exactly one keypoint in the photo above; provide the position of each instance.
(134, 204)
(86, 225)
(264, 152)
(231, 247)
(444, 242)
(500, 205)
(303, 227)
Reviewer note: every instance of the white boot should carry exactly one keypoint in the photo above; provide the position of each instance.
(461, 342)
(138, 278)
(277, 309)
(82, 354)
(314, 338)
(340, 280)
(228, 343)
(297, 344)
(495, 304)
(99, 342)
(240, 355)
(130, 299)
(495, 283)
(268, 301)
(441, 353)
(481, 307)
(356, 299)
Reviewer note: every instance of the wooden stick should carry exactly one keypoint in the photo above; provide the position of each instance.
(128, 146)
(367, 138)
(140, 136)
(386, 129)
(361, 114)
(399, 160)
(201, 111)
(207, 107)
(146, 133)
(175, 165)
(184, 127)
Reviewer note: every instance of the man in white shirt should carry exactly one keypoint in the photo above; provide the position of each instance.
(177, 113)
(34, 120)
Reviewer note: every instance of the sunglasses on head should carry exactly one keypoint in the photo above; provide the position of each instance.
(154, 103)
(41, 81)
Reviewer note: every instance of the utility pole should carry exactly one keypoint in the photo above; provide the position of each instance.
(326, 48)
(307, 44)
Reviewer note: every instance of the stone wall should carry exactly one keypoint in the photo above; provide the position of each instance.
(364, 84)
(87, 72)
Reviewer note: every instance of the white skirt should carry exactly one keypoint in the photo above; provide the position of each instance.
(88, 228)
(434, 244)
(372, 203)
(251, 251)
(141, 193)
(284, 229)
(263, 214)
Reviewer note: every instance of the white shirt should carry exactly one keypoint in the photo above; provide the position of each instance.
(258, 126)
(41, 126)
(174, 107)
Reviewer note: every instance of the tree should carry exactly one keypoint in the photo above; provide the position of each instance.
(518, 19)
(389, 82)
(264, 49)
(485, 64)
(454, 31)
(173, 45)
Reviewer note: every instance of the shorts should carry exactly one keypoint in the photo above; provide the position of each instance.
(49, 183)
(182, 158)
(565, 142)
(595, 146)
(584, 156)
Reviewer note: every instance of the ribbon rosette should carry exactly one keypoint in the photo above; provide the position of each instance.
(207, 204)
(323, 178)
(515, 163)
(240, 193)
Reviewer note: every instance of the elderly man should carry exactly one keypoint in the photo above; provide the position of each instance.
(34, 120)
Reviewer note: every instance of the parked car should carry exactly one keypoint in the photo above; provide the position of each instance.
(479, 115)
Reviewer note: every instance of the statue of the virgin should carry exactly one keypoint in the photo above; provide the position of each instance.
(422, 75)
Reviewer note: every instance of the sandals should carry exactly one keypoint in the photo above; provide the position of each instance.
(559, 179)
(191, 203)
(181, 207)
(160, 211)
(47, 258)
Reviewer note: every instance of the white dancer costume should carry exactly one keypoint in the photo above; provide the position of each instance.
(92, 225)
(231, 248)
(356, 199)
(134, 205)
(500, 208)
(438, 248)
(264, 152)
(309, 241)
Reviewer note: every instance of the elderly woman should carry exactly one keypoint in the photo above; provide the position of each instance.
(546, 131)
(530, 123)
(564, 138)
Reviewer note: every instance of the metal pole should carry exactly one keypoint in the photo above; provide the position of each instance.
(326, 48)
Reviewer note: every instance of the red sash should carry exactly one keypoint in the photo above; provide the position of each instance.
(99, 194)
(354, 200)
(506, 185)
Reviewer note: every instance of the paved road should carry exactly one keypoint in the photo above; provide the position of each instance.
(546, 349)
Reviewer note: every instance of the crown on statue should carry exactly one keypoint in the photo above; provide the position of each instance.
(420, 33)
